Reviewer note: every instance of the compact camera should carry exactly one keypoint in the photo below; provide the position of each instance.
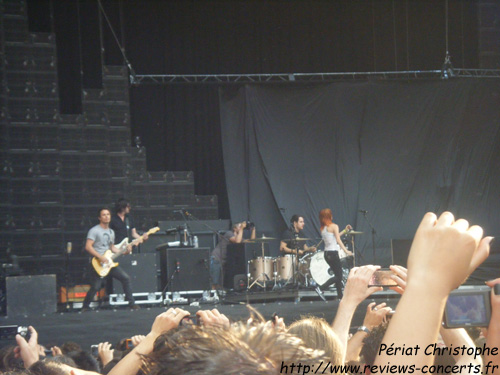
(10, 332)
(469, 308)
(190, 320)
(250, 225)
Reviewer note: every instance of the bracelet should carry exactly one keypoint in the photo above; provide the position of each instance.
(364, 329)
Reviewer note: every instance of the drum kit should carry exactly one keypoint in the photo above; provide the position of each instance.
(309, 270)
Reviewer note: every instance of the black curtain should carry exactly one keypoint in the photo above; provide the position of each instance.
(394, 149)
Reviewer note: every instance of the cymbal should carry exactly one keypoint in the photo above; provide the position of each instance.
(353, 232)
(261, 239)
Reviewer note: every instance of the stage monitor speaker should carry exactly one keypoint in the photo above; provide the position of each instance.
(400, 250)
(193, 269)
(238, 256)
(31, 295)
(142, 269)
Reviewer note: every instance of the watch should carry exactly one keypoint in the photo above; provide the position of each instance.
(364, 329)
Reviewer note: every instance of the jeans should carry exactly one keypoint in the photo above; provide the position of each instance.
(97, 282)
(333, 260)
(215, 271)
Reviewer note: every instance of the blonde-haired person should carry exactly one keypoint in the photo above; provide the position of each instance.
(316, 333)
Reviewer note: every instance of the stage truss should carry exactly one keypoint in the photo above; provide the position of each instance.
(166, 79)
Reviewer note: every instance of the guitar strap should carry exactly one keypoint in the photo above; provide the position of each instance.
(127, 224)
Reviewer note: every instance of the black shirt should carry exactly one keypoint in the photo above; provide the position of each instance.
(122, 230)
(289, 237)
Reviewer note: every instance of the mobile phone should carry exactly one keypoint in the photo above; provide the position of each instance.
(10, 332)
(129, 344)
(468, 308)
(190, 320)
(94, 350)
(382, 277)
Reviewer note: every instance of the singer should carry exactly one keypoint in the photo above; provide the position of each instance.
(334, 247)
(218, 256)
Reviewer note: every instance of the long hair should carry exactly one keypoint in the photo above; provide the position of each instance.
(325, 217)
(318, 334)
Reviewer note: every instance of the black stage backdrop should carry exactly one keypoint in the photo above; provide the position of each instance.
(394, 149)
(179, 125)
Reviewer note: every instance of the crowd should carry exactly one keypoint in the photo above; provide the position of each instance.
(444, 252)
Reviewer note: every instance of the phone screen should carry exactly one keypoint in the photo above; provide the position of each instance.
(382, 278)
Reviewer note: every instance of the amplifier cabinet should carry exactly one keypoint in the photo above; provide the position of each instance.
(185, 269)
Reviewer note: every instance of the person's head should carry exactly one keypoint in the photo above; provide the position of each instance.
(318, 334)
(297, 222)
(46, 368)
(325, 217)
(122, 206)
(104, 215)
(70, 346)
(240, 349)
(237, 227)
(84, 360)
(9, 362)
(371, 343)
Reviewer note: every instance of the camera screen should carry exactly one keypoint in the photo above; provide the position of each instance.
(464, 310)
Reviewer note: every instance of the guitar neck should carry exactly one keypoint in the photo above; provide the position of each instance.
(139, 239)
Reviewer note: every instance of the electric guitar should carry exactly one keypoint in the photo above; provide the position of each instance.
(103, 269)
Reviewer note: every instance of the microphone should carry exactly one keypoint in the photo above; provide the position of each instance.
(179, 211)
(171, 230)
(364, 212)
(177, 265)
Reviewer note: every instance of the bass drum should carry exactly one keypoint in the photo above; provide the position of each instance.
(320, 270)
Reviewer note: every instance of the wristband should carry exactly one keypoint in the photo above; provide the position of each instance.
(364, 329)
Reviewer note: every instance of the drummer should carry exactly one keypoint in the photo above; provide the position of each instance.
(292, 240)
(219, 253)
(334, 247)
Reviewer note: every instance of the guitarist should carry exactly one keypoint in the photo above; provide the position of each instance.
(99, 239)
(123, 224)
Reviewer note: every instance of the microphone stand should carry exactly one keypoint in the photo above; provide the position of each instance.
(164, 290)
(373, 234)
(187, 233)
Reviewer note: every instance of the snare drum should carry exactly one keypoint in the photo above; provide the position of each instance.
(284, 266)
(260, 268)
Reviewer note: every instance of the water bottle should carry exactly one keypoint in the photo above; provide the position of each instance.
(195, 241)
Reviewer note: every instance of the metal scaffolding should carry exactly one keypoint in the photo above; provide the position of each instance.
(165, 79)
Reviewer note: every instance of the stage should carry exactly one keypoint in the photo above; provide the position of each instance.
(111, 323)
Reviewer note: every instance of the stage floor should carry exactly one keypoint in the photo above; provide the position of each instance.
(113, 324)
